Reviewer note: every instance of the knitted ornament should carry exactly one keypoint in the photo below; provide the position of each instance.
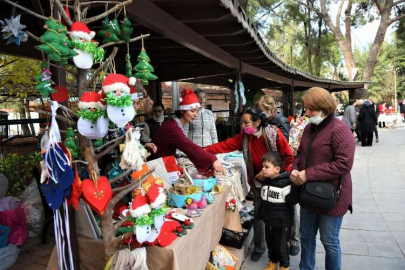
(56, 44)
(126, 29)
(116, 91)
(86, 49)
(93, 121)
(110, 31)
(144, 69)
(188, 100)
(45, 81)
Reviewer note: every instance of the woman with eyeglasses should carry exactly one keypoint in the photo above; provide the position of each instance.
(256, 139)
(170, 136)
(154, 123)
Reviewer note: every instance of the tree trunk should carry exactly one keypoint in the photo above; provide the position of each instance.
(25, 129)
(318, 58)
(308, 45)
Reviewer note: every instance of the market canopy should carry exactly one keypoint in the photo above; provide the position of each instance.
(200, 41)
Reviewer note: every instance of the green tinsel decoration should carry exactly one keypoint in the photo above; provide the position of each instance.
(91, 48)
(121, 101)
(159, 212)
(144, 221)
(92, 115)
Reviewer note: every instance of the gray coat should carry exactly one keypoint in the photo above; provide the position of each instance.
(202, 131)
(350, 116)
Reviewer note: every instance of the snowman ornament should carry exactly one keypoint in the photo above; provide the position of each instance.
(117, 95)
(140, 209)
(157, 199)
(82, 34)
(93, 121)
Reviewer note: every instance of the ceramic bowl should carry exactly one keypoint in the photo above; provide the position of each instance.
(207, 183)
(179, 201)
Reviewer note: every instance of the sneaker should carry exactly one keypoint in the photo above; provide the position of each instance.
(271, 266)
(377, 140)
(256, 256)
(294, 250)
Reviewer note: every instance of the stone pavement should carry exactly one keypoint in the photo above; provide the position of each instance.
(373, 238)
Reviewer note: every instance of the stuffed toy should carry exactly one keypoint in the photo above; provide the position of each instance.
(93, 121)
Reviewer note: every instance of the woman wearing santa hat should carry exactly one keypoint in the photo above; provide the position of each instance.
(170, 136)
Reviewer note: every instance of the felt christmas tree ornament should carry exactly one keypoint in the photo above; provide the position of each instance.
(56, 44)
(97, 193)
(93, 121)
(126, 29)
(110, 31)
(144, 69)
(116, 90)
(84, 46)
(76, 192)
(71, 142)
(45, 82)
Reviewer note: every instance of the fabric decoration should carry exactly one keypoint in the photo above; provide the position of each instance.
(91, 48)
(61, 94)
(110, 31)
(128, 65)
(71, 142)
(126, 30)
(45, 82)
(76, 192)
(144, 69)
(97, 194)
(189, 100)
(118, 101)
(12, 30)
(93, 123)
(134, 153)
(92, 115)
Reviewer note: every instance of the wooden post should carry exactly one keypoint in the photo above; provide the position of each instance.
(292, 101)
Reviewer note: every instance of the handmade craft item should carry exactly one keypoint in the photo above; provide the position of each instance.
(93, 121)
(144, 70)
(110, 31)
(157, 198)
(45, 82)
(134, 153)
(61, 94)
(140, 209)
(12, 30)
(76, 192)
(97, 193)
(71, 142)
(126, 29)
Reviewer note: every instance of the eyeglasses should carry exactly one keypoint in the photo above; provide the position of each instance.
(157, 111)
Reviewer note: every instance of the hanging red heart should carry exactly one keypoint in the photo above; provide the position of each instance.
(97, 194)
(61, 94)
(76, 192)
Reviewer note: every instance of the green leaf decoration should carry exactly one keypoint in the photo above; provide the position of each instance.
(121, 101)
(91, 48)
(92, 115)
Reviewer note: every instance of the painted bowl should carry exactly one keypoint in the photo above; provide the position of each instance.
(207, 183)
(179, 201)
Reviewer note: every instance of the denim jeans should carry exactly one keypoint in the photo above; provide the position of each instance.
(329, 228)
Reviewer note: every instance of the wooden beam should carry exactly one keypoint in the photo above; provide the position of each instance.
(174, 73)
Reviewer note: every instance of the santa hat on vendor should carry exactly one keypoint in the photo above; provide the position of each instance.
(80, 31)
(188, 100)
(90, 100)
(156, 195)
(140, 206)
(117, 82)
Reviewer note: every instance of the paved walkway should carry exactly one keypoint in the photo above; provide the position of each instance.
(374, 236)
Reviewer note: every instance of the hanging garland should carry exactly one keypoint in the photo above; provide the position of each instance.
(92, 115)
(122, 101)
(239, 91)
(91, 48)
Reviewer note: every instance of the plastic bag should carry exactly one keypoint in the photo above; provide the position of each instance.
(12, 215)
(8, 256)
(34, 210)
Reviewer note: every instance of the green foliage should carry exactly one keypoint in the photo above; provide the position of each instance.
(18, 170)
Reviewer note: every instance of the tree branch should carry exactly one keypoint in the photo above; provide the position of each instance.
(100, 2)
(122, 41)
(108, 12)
(319, 13)
(70, 71)
(63, 13)
(339, 13)
(122, 221)
(122, 175)
(100, 68)
(118, 239)
(33, 36)
(396, 19)
(377, 3)
(110, 142)
(106, 151)
(72, 113)
(26, 10)
(80, 161)
(76, 9)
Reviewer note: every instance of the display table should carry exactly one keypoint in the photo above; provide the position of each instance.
(191, 251)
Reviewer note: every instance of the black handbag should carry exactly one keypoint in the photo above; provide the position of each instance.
(318, 193)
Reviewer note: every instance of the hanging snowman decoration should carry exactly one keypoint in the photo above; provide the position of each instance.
(87, 49)
(140, 209)
(93, 121)
(157, 198)
(117, 96)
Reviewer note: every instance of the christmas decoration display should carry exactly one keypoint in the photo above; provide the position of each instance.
(128, 65)
(76, 192)
(134, 153)
(144, 69)
(56, 44)
(71, 142)
(45, 81)
(120, 107)
(126, 29)
(97, 193)
(157, 199)
(12, 30)
(241, 88)
(140, 209)
(84, 46)
(61, 94)
(110, 31)
(93, 121)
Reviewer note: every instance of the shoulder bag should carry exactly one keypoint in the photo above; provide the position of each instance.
(318, 193)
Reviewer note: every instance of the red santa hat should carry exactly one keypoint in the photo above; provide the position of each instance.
(90, 100)
(156, 195)
(188, 100)
(80, 30)
(140, 206)
(133, 92)
(114, 82)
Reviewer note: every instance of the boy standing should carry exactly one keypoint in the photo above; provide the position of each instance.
(279, 195)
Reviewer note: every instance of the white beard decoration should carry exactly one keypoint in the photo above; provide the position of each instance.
(83, 60)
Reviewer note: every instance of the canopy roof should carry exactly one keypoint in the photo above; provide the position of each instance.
(201, 41)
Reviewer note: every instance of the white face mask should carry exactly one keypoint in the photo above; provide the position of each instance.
(317, 119)
(267, 115)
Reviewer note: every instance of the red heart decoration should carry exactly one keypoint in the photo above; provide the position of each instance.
(61, 94)
(98, 197)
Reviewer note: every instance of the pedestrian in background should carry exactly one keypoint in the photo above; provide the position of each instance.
(368, 120)
(350, 115)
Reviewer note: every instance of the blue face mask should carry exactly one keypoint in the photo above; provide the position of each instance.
(317, 119)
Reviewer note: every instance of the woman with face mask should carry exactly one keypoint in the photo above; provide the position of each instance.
(256, 139)
(326, 153)
(170, 136)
